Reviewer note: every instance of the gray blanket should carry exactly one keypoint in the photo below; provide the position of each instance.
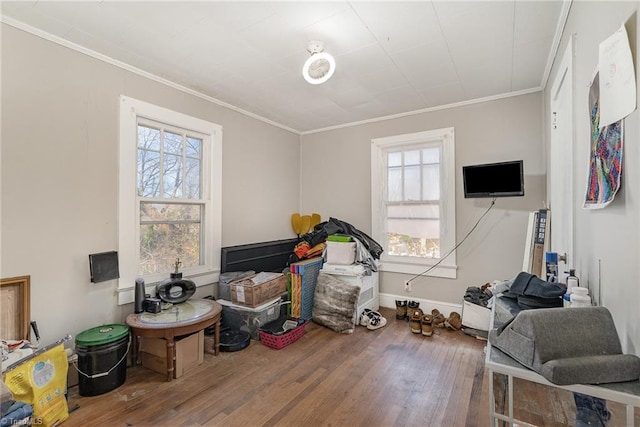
(335, 304)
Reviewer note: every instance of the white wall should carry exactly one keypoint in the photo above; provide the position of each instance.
(59, 176)
(607, 240)
(339, 185)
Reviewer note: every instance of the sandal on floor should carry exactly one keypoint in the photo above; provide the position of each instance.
(454, 321)
(416, 318)
(438, 318)
(427, 325)
(376, 321)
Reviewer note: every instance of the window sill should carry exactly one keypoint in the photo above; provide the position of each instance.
(444, 271)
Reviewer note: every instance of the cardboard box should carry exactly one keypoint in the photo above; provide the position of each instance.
(475, 316)
(188, 353)
(257, 289)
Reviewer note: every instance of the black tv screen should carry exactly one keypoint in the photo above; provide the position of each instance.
(504, 179)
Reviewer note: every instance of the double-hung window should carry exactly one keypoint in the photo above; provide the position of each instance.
(170, 195)
(413, 202)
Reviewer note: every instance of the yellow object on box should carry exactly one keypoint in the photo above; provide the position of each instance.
(41, 382)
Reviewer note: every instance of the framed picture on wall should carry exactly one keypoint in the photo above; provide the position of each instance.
(15, 308)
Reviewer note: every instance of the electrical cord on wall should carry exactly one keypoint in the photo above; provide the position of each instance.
(493, 202)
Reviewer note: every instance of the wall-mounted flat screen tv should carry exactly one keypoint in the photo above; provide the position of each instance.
(504, 179)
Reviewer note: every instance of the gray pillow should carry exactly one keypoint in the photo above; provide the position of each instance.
(335, 303)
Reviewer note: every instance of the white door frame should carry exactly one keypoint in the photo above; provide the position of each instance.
(560, 182)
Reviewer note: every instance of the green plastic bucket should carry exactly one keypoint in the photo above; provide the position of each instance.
(102, 354)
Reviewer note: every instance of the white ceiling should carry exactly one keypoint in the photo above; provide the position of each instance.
(392, 57)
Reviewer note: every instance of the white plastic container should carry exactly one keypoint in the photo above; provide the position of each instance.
(343, 253)
(580, 297)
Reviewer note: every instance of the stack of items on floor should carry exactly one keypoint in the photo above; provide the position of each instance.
(347, 290)
(334, 294)
(249, 300)
(424, 323)
(476, 311)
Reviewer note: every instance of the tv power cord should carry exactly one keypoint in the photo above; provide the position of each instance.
(493, 202)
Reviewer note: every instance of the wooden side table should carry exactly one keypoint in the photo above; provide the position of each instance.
(180, 319)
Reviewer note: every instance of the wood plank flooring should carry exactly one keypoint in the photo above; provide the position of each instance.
(387, 377)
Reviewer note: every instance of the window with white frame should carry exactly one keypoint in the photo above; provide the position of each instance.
(170, 195)
(413, 202)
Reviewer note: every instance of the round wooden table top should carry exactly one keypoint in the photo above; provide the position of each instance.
(187, 313)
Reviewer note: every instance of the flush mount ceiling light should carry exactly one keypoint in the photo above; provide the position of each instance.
(320, 66)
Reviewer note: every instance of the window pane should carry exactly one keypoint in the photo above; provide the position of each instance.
(148, 138)
(431, 182)
(169, 231)
(172, 176)
(424, 211)
(394, 186)
(172, 143)
(413, 230)
(394, 159)
(412, 183)
(412, 157)
(192, 179)
(148, 173)
(194, 147)
(169, 212)
(431, 155)
(161, 244)
(413, 237)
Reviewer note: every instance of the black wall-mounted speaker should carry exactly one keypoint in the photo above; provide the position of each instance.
(103, 266)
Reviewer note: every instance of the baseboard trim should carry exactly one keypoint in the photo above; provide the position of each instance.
(389, 301)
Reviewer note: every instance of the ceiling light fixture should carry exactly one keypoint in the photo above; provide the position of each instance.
(320, 66)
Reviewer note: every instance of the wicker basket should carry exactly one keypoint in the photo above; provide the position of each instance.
(280, 341)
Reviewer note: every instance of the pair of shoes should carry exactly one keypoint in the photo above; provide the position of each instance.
(372, 319)
(438, 318)
(401, 309)
(411, 306)
(454, 321)
(415, 320)
(426, 324)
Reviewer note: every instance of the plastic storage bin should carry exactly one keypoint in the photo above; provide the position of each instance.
(304, 276)
(249, 319)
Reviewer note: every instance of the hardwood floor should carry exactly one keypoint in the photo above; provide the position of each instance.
(387, 377)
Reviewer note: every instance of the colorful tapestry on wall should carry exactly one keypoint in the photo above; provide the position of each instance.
(605, 160)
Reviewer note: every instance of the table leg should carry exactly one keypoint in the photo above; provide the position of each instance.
(170, 361)
(134, 349)
(216, 339)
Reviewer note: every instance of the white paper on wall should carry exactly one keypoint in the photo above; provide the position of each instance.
(617, 78)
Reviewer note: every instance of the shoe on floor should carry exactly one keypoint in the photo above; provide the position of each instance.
(416, 318)
(364, 317)
(438, 318)
(454, 321)
(427, 325)
(376, 321)
(401, 309)
(411, 305)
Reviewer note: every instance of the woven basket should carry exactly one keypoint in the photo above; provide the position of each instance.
(280, 341)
